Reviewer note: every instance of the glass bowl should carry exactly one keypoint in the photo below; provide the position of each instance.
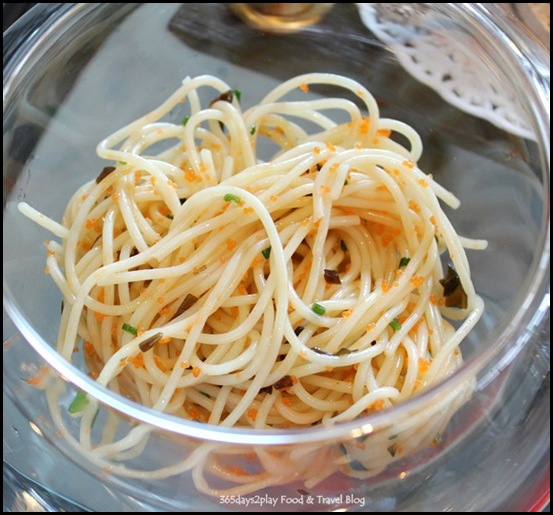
(74, 73)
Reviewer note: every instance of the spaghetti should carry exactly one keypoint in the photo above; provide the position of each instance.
(296, 290)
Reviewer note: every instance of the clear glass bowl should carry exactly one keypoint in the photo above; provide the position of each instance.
(74, 73)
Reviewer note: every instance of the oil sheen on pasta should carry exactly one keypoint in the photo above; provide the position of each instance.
(295, 290)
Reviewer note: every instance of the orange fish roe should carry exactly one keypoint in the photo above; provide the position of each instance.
(286, 401)
(316, 150)
(234, 311)
(424, 365)
(184, 364)
(252, 413)
(385, 133)
(423, 183)
(304, 87)
(358, 146)
(333, 168)
(385, 285)
(433, 220)
(38, 378)
(408, 164)
(247, 210)
(91, 223)
(386, 239)
(414, 206)
(194, 412)
(346, 313)
(172, 184)
(46, 270)
(377, 405)
(305, 222)
(159, 364)
(122, 363)
(222, 259)
(160, 300)
(324, 188)
(418, 230)
(165, 339)
(231, 244)
(137, 361)
(364, 127)
(115, 197)
(99, 316)
(417, 281)
(86, 245)
(89, 349)
(433, 299)
(370, 327)
(330, 147)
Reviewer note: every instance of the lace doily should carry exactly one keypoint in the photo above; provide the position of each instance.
(445, 60)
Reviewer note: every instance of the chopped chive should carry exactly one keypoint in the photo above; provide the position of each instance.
(439, 438)
(121, 163)
(170, 216)
(436, 238)
(392, 437)
(266, 252)
(404, 261)
(238, 94)
(392, 450)
(184, 121)
(346, 182)
(343, 245)
(229, 197)
(130, 329)
(252, 130)
(362, 438)
(206, 395)
(395, 325)
(79, 403)
(318, 309)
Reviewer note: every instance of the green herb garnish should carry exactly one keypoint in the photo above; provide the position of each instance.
(237, 94)
(79, 403)
(130, 329)
(395, 325)
(266, 252)
(252, 130)
(184, 121)
(229, 197)
(318, 309)
(404, 261)
(343, 245)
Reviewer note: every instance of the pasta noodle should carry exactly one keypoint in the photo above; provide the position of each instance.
(205, 280)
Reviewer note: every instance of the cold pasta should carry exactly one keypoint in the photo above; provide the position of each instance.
(206, 280)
